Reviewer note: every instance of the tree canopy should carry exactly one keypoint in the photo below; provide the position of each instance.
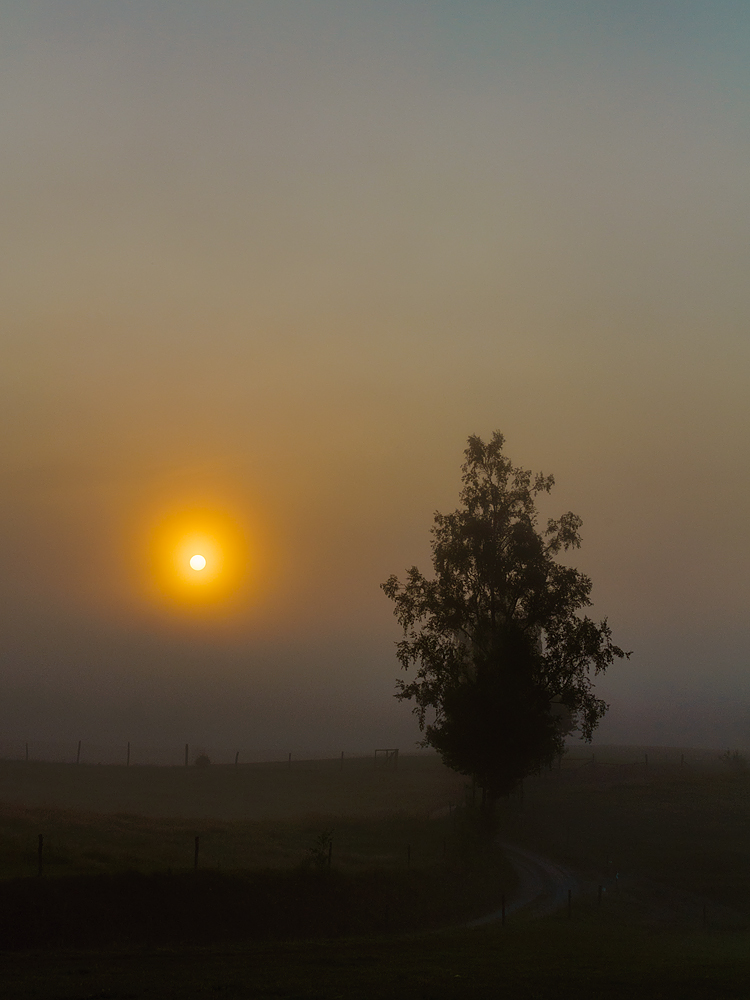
(504, 659)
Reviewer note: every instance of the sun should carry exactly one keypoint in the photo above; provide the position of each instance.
(199, 557)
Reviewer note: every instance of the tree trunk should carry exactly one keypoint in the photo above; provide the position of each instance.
(489, 802)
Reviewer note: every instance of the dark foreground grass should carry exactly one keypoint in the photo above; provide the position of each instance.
(586, 958)
(209, 907)
(674, 925)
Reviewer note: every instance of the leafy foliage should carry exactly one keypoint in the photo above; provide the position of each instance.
(504, 661)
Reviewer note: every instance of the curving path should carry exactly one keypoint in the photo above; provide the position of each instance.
(543, 886)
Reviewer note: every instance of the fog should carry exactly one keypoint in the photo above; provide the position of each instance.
(277, 261)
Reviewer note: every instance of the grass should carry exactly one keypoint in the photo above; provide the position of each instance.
(77, 843)
(552, 959)
(418, 785)
(677, 836)
(682, 829)
(114, 819)
(119, 878)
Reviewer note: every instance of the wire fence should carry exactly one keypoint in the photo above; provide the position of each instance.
(647, 759)
(171, 755)
(135, 753)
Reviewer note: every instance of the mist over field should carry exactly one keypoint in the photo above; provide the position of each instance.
(269, 264)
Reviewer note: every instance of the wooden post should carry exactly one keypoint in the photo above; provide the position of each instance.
(570, 903)
(78, 755)
(236, 758)
(502, 910)
(186, 754)
(39, 851)
(128, 763)
(197, 847)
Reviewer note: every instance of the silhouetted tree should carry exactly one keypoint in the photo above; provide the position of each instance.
(503, 659)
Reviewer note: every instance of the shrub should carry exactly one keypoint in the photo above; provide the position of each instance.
(319, 854)
(735, 760)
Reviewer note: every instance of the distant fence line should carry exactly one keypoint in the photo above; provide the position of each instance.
(174, 755)
(140, 754)
(655, 757)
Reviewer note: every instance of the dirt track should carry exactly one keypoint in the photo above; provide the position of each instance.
(543, 886)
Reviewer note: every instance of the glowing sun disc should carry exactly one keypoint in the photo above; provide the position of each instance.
(197, 562)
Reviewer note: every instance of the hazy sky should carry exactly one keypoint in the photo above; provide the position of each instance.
(275, 261)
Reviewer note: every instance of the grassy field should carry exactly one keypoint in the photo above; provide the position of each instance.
(666, 829)
(383, 852)
(116, 819)
(587, 957)
(674, 924)
(418, 785)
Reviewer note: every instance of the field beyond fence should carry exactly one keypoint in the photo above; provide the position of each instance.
(228, 855)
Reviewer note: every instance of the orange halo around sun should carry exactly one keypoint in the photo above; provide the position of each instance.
(198, 557)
